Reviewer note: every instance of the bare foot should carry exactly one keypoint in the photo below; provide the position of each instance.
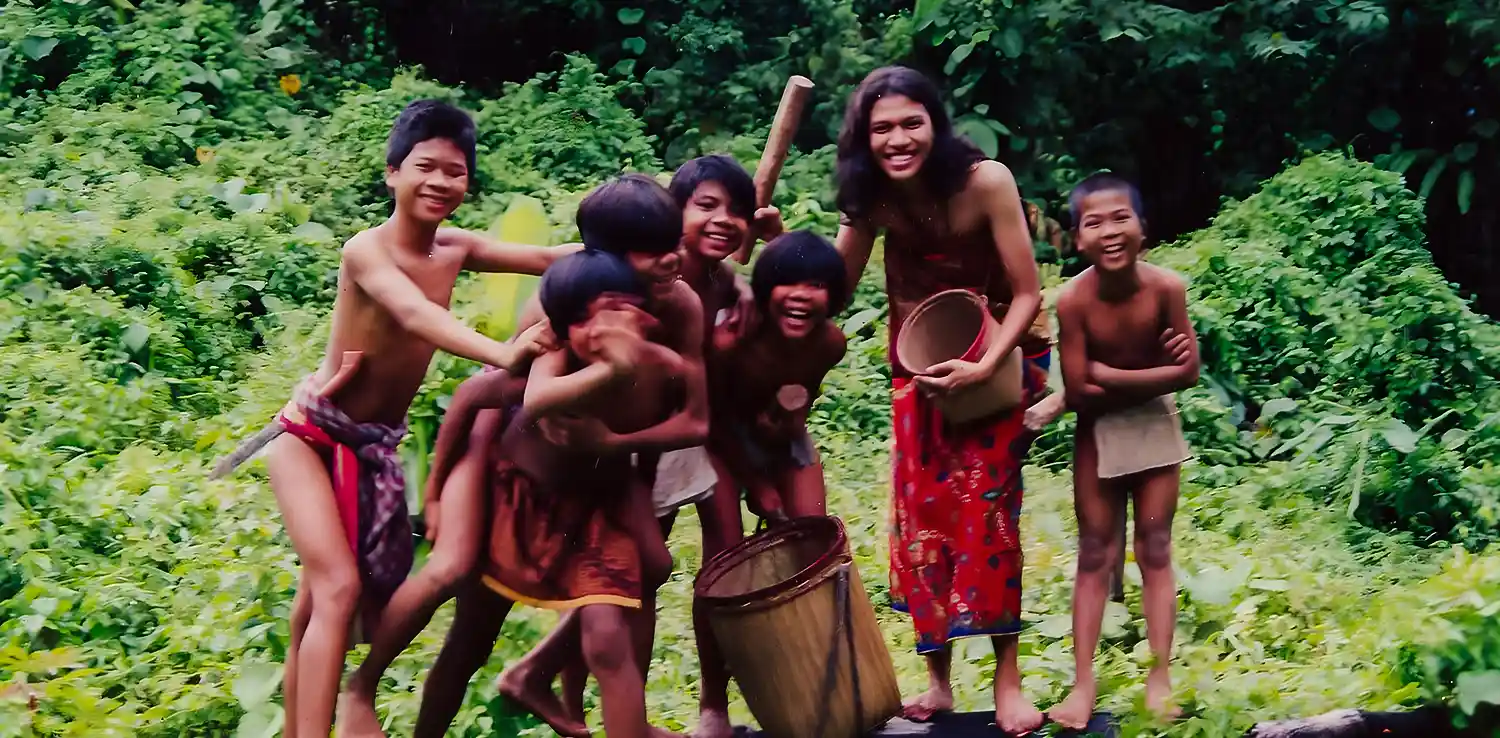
(1077, 710)
(356, 716)
(924, 706)
(1014, 714)
(713, 724)
(1159, 694)
(539, 700)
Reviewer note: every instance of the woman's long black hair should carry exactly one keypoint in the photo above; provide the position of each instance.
(860, 180)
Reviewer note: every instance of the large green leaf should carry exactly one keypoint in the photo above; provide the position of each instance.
(1384, 119)
(630, 16)
(1465, 190)
(38, 47)
(927, 12)
(1475, 688)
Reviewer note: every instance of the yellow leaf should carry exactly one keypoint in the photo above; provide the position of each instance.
(500, 302)
(204, 154)
(291, 84)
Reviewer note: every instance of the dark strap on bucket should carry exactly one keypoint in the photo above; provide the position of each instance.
(844, 623)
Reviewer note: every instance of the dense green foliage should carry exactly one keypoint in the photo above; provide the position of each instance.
(175, 180)
(1196, 100)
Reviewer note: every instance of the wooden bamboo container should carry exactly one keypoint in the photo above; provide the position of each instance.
(956, 324)
(773, 603)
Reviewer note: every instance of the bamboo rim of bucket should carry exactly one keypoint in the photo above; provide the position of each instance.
(825, 567)
(926, 306)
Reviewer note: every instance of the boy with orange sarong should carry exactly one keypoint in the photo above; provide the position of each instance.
(763, 385)
(562, 512)
(715, 197)
(334, 470)
(1127, 347)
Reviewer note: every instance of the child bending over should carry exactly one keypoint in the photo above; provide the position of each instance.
(763, 385)
(1127, 346)
(562, 512)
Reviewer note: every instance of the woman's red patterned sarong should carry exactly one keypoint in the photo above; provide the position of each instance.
(956, 512)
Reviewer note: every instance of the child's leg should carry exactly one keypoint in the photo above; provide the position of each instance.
(1014, 714)
(301, 613)
(939, 695)
(803, 493)
(471, 638)
(529, 682)
(561, 653)
(1117, 579)
(1096, 504)
(331, 578)
(411, 608)
(607, 649)
(639, 518)
(1155, 506)
(722, 528)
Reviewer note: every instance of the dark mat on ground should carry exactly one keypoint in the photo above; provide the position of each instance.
(968, 725)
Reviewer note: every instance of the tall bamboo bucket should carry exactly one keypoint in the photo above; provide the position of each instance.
(956, 324)
(784, 606)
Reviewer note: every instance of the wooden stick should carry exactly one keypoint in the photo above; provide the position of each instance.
(783, 130)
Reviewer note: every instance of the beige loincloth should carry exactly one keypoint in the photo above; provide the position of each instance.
(683, 477)
(1148, 436)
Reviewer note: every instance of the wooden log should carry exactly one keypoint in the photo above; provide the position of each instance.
(1427, 722)
(783, 130)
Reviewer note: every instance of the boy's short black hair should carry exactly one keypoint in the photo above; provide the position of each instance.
(1102, 182)
(796, 257)
(632, 213)
(576, 280)
(716, 168)
(424, 120)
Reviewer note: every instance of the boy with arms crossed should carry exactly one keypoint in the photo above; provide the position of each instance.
(634, 219)
(762, 386)
(1127, 346)
(334, 471)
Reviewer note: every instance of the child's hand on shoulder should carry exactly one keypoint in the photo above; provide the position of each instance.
(533, 342)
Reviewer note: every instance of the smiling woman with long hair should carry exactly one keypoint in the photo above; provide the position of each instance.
(952, 219)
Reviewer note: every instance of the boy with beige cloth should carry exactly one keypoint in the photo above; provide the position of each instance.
(1127, 347)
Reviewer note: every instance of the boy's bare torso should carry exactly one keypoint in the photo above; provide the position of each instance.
(644, 399)
(1123, 331)
(748, 377)
(393, 361)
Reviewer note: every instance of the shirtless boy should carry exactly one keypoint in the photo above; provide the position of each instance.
(1127, 347)
(335, 473)
(561, 512)
(635, 219)
(762, 386)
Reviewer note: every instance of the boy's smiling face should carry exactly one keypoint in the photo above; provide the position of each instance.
(710, 228)
(611, 316)
(431, 182)
(798, 309)
(659, 272)
(1110, 232)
